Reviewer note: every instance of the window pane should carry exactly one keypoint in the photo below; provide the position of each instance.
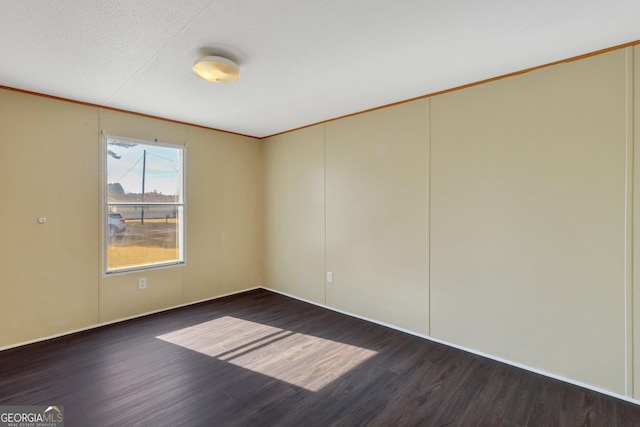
(141, 235)
(143, 172)
(144, 204)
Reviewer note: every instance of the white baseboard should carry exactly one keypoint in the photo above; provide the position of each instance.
(468, 350)
(99, 325)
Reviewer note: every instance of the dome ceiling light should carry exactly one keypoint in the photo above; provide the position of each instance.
(216, 69)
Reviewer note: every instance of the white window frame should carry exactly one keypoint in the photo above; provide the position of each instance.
(181, 240)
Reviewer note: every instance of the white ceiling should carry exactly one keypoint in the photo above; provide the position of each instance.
(302, 61)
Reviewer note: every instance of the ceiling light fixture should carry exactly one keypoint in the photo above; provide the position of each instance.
(216, 69)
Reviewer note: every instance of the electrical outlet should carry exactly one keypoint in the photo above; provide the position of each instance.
(142, 283)
(329, 277)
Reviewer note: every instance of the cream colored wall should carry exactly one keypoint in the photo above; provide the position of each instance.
(239, 171)
(372, 211)
(224, 238)
(528, 219)
(376, 223)
(500, 216)
(52, 279)
(48, 272)
(294, 213)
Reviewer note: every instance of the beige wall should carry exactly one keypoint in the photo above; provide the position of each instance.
(493, 217)
(376, 204)
(49, 161)
(352, 194)
(294, 213)
(52, 279)
(528, 219)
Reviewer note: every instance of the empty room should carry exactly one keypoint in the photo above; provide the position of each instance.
(286, 213)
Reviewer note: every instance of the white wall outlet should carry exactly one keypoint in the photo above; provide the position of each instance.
(142, 283)
(329, 277)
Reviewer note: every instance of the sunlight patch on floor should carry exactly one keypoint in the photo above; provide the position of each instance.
(302, 360)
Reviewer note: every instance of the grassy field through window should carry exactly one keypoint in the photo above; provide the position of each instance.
(151, 242)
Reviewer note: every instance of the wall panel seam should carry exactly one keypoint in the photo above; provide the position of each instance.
(629, 225)
(428, 219)
(324, 207)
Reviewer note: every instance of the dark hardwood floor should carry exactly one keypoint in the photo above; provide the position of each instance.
(262, 359)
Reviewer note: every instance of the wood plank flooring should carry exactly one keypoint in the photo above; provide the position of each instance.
(262, 359)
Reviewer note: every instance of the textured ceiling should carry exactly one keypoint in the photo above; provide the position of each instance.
(302, 61)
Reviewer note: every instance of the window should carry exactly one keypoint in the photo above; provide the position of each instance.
(144, 204)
